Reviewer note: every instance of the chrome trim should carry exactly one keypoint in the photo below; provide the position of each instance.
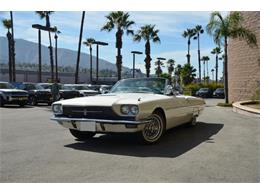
(100, 120)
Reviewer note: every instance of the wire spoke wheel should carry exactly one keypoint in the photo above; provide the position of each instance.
(154, 129)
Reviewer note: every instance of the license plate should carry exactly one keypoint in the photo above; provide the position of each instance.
(88, 126)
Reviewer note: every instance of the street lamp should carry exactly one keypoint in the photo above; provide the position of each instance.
(135, 52)
(97, 59)
(44, 28)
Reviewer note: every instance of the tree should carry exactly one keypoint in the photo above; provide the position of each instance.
(189, 33)
(89, 42)
(158, 68)
(198, 30)
(212, 72)
(46, 15)
(7, 24)
(177, 73)
(13, 48)
(120, 21)
(56, 31)
(205, 60)
(188, 74)
(79, 47)
(221, 29)
(216, 51)
(147, 33)
(170, 63)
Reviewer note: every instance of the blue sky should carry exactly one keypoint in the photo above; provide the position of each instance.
(170, 24)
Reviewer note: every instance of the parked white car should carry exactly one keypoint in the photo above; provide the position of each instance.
(148, 106)
(83, 89)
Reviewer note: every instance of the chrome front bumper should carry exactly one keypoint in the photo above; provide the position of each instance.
(102, 125)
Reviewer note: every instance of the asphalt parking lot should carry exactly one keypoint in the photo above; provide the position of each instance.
(223, 147)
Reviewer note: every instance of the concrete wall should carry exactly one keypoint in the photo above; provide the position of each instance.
(244, 62)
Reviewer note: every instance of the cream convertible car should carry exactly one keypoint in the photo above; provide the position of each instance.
(148, 106)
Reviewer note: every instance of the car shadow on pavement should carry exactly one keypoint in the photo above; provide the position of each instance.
(175, 142)
(17, 106)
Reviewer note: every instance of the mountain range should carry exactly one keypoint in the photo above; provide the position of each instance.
(27, 52)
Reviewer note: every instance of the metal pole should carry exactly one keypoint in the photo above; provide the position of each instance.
(133, 65)
(40, 56)
(97, 61)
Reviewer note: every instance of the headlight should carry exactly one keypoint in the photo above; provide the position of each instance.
(129, 110)
(57, 108)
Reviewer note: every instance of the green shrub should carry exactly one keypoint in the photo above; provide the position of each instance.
(192, 88)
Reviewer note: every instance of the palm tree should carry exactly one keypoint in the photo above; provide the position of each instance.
(120, 21)
(205, 60)
(170, 63)
(56, 31)
(189, 33)
(8, 24)
(177, 73)
(198, 30)
(89, 42)
(147, 33)
(212, 72)
(216, 51)
(79, 47)
(222, 28)
(158, 69)
(46, 15)
(13, 47)
(188, 74)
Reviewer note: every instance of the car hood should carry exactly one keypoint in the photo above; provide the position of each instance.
(112, 98)
(12, 90)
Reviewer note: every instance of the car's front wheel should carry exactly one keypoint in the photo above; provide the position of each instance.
(153, 130)
(82, 135)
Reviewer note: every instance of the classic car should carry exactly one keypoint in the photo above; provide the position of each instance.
(204, 92)
(147, 106)
(64, 92)
(37, 94)
(219, 93)
(83, 89)
(10, 95)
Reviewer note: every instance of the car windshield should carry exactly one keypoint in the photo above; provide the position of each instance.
(6, 86)
(151, 85)
(204, 89)
(31, 86)
(78, 87)
(220, 90)
(68, 87)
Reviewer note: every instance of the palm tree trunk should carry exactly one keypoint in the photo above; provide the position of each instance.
(199, 57)
(79, 47)
(13, 48)
(9, 38)
(90, 51)
(226, 71)
(188, 55)
(51, 58)
(40, 56)
(147, 59)
(56, 58)
(216, 69)
(204, 72)
(119, 56)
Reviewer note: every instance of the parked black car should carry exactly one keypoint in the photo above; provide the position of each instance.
(219, 93)
(37, 94)
(10, 95)
(204, 92)
(65, 93)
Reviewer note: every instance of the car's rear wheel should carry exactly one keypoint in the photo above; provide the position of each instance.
(153, 130)
(82, 135)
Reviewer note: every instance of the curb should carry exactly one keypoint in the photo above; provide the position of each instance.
(240, 108)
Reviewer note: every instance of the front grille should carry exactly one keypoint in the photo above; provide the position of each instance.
(93, 112)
